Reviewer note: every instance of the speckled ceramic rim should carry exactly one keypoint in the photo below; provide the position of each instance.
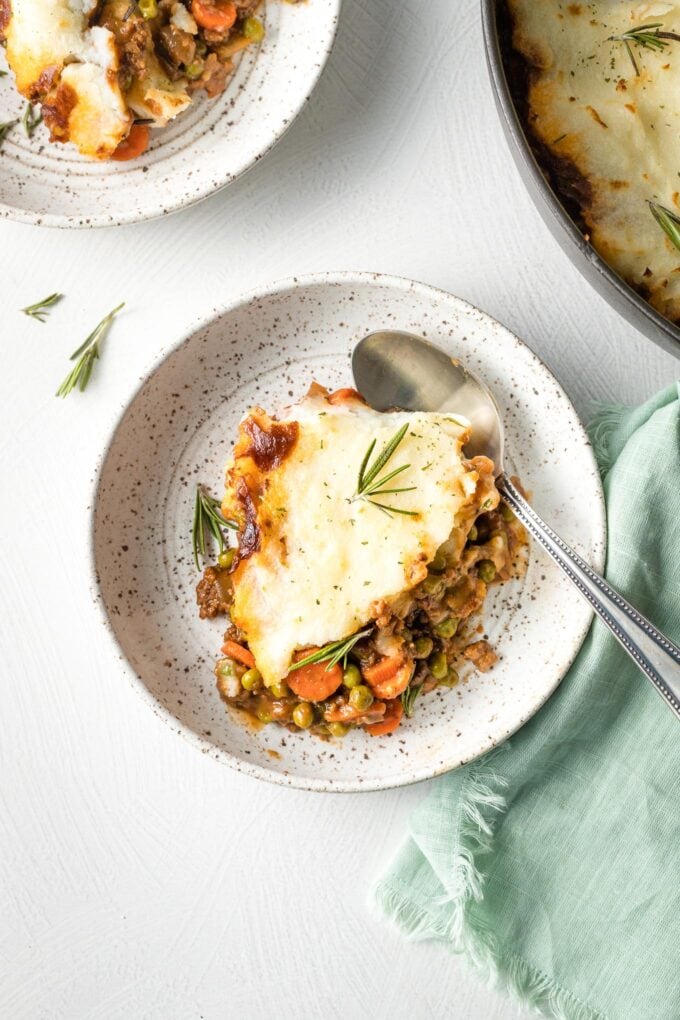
(345, 278)
(279, 130)
(612, 287)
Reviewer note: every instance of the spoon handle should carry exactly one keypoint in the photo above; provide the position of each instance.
(655, 655)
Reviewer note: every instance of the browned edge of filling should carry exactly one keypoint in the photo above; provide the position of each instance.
(271, 441)
(57, 109)
(566, 180)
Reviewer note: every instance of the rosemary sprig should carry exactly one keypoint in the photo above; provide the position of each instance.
(3, 74)
(408, 699)
(332, 653)
(39, 310)
(647, 36)
(208, 519)
(5, 129)
(369, 484)
(667, 220)
(31, 119)
(86, 355)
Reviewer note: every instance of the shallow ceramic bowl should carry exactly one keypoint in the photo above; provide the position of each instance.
(208, 146)
(178, 430)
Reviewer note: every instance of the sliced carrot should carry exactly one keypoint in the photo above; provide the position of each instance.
(134, 145)
(389, 676)
(234, 650)
(393, 714)
(213, 15)
(314, 682)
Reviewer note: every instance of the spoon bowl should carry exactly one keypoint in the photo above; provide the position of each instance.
(397, 369)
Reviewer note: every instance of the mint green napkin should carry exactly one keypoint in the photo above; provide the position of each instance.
(553, 863)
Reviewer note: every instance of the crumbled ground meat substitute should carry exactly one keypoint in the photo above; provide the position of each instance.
(481, 654)
(177, 46)
(208, 54)
(213, 593)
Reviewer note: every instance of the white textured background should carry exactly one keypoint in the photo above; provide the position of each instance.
(138, 879)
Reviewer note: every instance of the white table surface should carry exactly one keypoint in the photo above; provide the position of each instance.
(138, 878)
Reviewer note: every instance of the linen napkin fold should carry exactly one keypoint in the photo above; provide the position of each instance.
(553, 863)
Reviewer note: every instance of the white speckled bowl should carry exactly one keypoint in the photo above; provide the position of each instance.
(205, 148)
(178, 429)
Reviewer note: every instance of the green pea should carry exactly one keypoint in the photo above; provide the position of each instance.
(351, 676)
(486, 570)
(432, 584)
(263, 714)
(337, 729)
(201, 47)
(251, 679)
(473, 533)
(506, 512)
(438, 665)
(253, 29)
(194, 70)
(148, 9)
(438, 564)
(451, 679)
(303, 715)
(361, 698)
(422, 647)
(447, 628)
(280, 690)
(226, 558)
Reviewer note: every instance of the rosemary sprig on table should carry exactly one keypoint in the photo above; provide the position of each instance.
(86, 355)
(332, 653)
(40, 309)
(370, 485)
(408, 699)
(208, 519)
(667, 220)
(31, 119)
(647, 36)
(5, 129)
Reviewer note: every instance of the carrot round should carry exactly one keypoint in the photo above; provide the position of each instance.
(213, 15)
(233, 650)
(314, 682)
(389, 676)
(393, 714)
(134, 145)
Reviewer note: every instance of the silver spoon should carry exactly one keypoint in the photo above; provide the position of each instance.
(393, 369)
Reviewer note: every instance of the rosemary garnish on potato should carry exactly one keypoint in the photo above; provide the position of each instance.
(369, 485)
(40, 309)
(667, 220)
(208, 520)
(647, 36)
(86, 355)
(332, 653)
